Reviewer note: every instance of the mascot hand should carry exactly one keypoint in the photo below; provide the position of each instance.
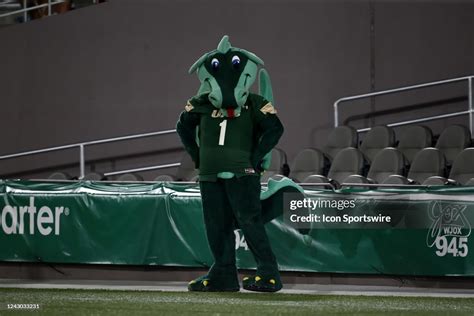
(261, 164)
(266, 161)
(257, 164)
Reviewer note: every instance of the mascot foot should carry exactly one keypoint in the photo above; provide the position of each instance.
(262, 284)
(206, 284)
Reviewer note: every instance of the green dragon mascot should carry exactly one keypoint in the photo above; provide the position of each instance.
(229, 132)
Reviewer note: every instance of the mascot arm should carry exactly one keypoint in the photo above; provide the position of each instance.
(186, 128)
(270, 129)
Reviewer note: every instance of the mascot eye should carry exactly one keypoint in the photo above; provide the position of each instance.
(236, 61)
(215, 63)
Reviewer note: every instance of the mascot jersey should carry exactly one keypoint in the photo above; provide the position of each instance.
(233, 145)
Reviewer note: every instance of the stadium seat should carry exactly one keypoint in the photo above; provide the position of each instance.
(168, 178)
(164, 177)
(94, 176)
(186, 171)
(413, 139)
(318, 180)
(388, 162)
(429, 162)
(278, 165)
(307, 162)
(130, 177)
(452, 141)
(470, 182)
(461, 173)
(376, 139)
(314, 161)
(340, 137)
(463, 167)
(347, 162)
(60, 176)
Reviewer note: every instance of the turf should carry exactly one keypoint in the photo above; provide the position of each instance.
(96, 302)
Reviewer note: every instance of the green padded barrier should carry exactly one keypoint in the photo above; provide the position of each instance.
(161, 224)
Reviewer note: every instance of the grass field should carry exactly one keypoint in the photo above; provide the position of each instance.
(103, 302)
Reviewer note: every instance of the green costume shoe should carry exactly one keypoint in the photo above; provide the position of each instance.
(262, 284)
(205, 284)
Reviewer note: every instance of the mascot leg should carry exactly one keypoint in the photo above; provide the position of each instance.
(244, 197)
(219, 222)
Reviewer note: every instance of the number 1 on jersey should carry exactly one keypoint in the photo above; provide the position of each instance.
(223, 126)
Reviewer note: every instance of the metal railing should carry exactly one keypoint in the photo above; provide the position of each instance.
(469, 111)
(82, 146)
(26, 8)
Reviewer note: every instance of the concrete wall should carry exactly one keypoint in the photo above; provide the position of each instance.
(422, 41)
(121, 68)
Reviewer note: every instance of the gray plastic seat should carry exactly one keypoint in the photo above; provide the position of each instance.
(389, 161)
(470, 182)
(348, 161)
(94, 176)
(427, 163)
(60, 176)
(396, 179)
(437, 180)
(316, 181)
(413, 139)
(461, 173)
(452, 141)
(356, 179)
(307, 162)
(187, 170)
(164, 177)
(278, 165)
(340, 137)
(376, 139)
(130, 177)
(314, 161)
(463, 167)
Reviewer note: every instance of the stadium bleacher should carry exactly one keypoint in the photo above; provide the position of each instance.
(278, 165)
(452, 141)
(314, 161)
(345, 160)
(186, 171)
(413, 161)
(349, 161)
(428, 162)
(379, 157)
(389, 161)
(60, 176)
(340, 137)
(307, 162)
(413, 139)
(462, 171)
(95, 176)
(130, 177)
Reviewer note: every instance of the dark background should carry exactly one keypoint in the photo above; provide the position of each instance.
(120, 68)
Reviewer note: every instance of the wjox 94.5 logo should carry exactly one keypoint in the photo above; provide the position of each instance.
(450, 229)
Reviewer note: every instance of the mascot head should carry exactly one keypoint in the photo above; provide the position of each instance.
(227, 74)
